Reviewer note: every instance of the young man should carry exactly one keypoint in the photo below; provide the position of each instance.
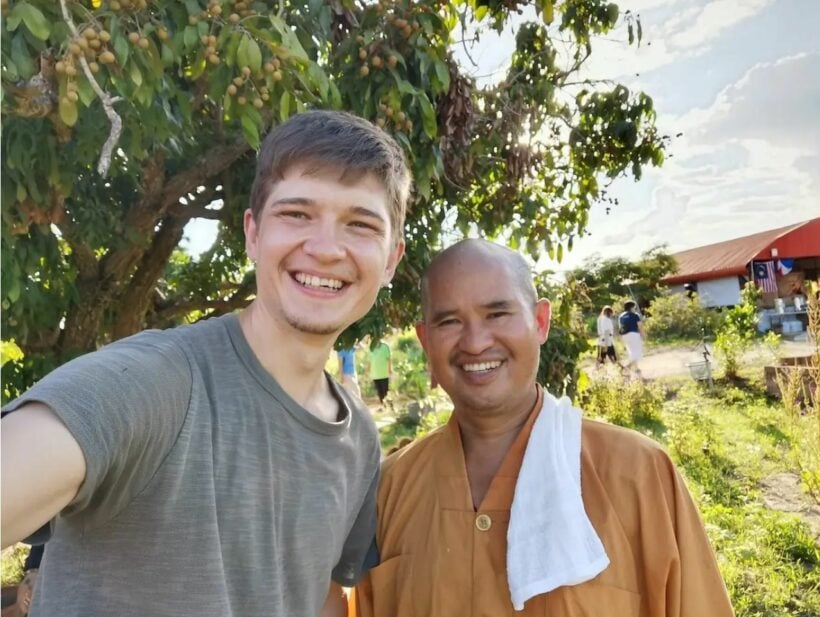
(598, 520)
(215, 469)
(631, 329)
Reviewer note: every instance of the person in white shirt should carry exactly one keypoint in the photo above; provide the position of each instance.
(606, 337)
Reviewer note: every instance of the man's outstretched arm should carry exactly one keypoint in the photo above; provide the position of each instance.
(43, 467)
(336, 602)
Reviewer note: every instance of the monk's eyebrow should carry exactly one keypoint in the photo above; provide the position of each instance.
(440, 315)
(498, 305)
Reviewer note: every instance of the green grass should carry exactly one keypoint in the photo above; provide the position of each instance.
(724, 444)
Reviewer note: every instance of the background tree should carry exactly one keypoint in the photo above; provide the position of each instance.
(123, 120)
(608, 281)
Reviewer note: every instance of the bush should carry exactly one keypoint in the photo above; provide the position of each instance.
(736, 333)
(558, 369)
(625, 403)
(410, 367)
(675, 316)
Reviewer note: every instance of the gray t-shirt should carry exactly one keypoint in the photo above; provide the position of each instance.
(209, 490)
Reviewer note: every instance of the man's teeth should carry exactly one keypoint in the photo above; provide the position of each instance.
(314, 281)
(483, 366)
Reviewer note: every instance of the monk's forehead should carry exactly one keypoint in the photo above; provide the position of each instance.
(469, 261)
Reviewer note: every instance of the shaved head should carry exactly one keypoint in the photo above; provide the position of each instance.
(479, 253)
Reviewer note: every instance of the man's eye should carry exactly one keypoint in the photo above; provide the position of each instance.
(293, 214)
(447, 322)
(498, 314)
(364, 225)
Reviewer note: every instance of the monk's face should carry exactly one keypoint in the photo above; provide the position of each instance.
(482, 333)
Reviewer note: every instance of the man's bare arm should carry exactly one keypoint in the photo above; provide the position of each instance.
(336, 602)
(42, 470)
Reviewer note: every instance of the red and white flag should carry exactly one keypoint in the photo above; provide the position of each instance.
(765, 276)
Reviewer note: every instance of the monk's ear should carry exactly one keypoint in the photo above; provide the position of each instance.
(543, 316)
(421, 333)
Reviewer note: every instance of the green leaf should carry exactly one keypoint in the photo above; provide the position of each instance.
(250, 130)
(10, 352)
(135, 74)
(190, 37)
(242, 52)
(443, 74)
(318, 77)
(86, 92)
(33, 18)
(13, 291)
(254, 55)
(289, 39)
(284, 106)
(68, 112)
(121, 49)
(21, 56)
(428, 116)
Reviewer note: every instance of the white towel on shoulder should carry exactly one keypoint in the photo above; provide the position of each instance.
(550, 540)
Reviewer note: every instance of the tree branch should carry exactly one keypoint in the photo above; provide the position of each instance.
(217, 159)
(237, 300)
(107, 102)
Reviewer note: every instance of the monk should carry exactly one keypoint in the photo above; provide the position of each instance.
(479, 519)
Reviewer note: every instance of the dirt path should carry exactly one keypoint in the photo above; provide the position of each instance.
(782, 492)
(669, 362)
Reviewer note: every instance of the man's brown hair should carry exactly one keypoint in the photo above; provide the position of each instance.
(335, 140)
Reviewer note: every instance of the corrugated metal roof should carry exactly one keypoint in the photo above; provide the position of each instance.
(727, 258)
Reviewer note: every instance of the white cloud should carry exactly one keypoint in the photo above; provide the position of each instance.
(672, 31)
(713, 19)
(748, 162)
(778, 101)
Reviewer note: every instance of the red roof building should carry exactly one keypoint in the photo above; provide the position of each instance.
(718, 271)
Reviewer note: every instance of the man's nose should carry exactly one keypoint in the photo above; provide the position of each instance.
(324, 242)
(475, 338)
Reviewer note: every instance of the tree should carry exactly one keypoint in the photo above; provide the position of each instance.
(610, 280)
(93, 217)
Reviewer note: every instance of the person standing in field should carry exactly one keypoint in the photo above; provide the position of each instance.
(606, 337)
(381, 369)
(630, 326)
(348, 376)
(215, 469)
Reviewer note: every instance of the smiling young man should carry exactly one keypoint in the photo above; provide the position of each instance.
(518, 504)
(215, 469)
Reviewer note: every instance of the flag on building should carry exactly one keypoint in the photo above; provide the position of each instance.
(765, 276)
(784, 266)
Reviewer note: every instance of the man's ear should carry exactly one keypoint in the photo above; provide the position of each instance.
(392, 262)
(421, 333)
(251, 235)
(543, 316)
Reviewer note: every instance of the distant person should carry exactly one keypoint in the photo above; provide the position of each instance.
(381, 368)
(606, 337)
(631, 328)
(347, 371)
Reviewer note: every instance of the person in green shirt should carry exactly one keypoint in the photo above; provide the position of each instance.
(381, 368)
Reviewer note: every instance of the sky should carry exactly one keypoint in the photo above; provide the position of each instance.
(741, 80)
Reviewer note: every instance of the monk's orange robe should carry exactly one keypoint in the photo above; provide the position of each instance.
(442, 558)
